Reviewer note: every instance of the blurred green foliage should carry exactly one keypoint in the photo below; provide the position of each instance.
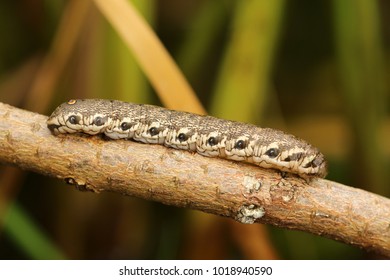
(314, 68)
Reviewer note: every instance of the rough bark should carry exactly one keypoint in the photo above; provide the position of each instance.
(240, 191)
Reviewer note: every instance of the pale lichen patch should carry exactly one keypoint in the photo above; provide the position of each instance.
(251, 184)
(248, 214)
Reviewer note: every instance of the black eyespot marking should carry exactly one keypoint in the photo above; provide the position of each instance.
(307, 165)
(98, 121)
(182, 137)
(73, 119)
(153, 131)
(240, 144)
(212, 141)
(294, 157)
(317, 161)
(125, 126)
(272, 153)
(314, 163)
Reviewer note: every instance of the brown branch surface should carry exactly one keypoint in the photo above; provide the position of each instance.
(243, 192)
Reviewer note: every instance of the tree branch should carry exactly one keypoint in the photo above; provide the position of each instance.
(243, 192)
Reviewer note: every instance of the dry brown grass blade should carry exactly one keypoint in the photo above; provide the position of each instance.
(151, 55)
(240, 191)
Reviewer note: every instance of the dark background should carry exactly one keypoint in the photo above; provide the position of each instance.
(317, 69)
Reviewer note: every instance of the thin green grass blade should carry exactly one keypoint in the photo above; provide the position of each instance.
(205, 27)
(244, 77)
(114, 73)
(26, 234)
(361, 62)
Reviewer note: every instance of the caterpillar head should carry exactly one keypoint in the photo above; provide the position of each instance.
(81, 115)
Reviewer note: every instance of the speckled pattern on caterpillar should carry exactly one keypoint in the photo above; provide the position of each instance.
(206, 135)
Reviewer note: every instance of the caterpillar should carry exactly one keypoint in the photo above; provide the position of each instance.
(206, 135)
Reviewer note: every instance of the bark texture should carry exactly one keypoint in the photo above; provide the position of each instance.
(240, 191)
